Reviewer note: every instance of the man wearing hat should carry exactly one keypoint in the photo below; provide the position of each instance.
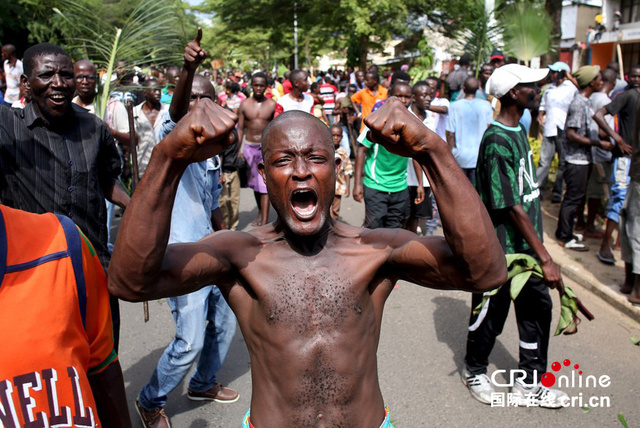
(582, 134)
(496, 59)
(553, 113)
(506, 182)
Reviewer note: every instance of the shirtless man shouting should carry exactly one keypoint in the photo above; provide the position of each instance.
(254, 115)
(308, 292)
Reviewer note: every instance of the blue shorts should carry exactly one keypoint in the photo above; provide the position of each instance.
(246, 423)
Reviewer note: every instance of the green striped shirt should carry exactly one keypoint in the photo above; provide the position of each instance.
(505, 177)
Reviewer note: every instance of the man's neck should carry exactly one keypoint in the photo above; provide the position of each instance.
(149, 105)
(510, 116)
(586, 92)
(12, 61)
(296, 94)
(469, 96)
(422, 114)
(85, 101)
(308, 245)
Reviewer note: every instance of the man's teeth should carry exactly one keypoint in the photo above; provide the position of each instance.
(58, 97)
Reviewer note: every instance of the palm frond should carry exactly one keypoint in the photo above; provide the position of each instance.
(147, 35)
(527, 31)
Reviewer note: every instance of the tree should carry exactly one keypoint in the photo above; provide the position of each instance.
(354, 26)
(147, 35)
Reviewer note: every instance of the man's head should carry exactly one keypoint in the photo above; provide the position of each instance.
(372, 80)
(84, 72)
(48, 76)
(558, 71)
(360, 76)
(152, 91)
(609, 77)
(173, 74)
(299, 80)
(465, 60)
(352, 89)
(400, 76)
(485, 72)
(470, 86)
(121, 68)
(515, 84)
(634, 76)
(8, 52)
(402, 91)
(422, 95)
(201, 88)
(613, 65)
(496, 59)
(589, 76)
(336, 134)
(299, 169)
(434, 83)
(259, 85)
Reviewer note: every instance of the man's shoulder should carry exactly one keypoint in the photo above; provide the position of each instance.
(497, 138)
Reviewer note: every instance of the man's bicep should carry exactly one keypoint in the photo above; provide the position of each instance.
(187, 267)
(426, 261)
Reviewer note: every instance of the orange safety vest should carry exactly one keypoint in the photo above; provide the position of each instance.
(55, 322)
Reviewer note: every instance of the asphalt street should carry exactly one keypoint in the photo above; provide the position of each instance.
(420, 356)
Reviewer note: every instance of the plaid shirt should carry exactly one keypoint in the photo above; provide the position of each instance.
(346, 168)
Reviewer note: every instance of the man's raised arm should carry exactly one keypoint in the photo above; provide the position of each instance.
(473, 259)
(141, 267)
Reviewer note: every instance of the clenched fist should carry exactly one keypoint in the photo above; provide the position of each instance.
(203, 133)
(398, 130)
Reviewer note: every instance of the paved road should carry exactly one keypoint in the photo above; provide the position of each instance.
(420, 355)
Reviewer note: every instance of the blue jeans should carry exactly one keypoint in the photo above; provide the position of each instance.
(204, 322)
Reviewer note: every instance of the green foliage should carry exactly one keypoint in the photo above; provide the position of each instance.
(350, 26)
(520, 267)
(527, 30)
(422, 67)
(147, 35)
(478, 33)
(623, 420)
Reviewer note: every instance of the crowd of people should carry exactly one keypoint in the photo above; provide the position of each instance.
(450, 151)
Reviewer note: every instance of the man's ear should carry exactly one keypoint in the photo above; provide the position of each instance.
(24, 82)
(338, 162)
(262, 172)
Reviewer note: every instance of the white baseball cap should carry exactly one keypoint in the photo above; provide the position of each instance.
(508, 76)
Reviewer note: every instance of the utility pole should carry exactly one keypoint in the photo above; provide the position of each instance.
(295, 35)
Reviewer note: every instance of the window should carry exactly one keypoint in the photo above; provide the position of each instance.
(630, 10)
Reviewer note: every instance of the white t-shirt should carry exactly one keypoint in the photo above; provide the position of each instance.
(12, 77)
(440, 119)
(287, 103)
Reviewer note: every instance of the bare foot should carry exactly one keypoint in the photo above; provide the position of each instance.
(256, 223)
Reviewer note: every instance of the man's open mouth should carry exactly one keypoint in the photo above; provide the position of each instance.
(304, 203)
(58, 99)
